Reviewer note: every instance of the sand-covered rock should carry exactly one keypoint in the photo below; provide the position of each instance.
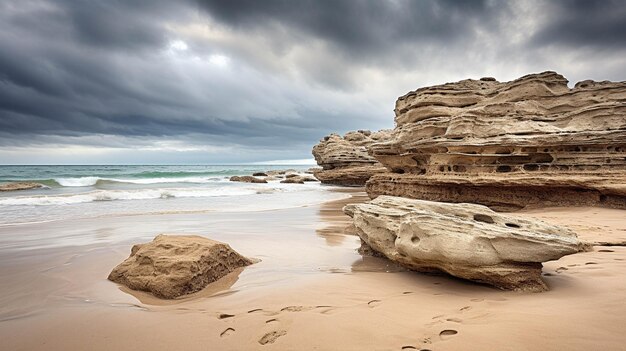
(297, 179)
(247, 179)
(174, 265)
(465, 240)
(529, 142)
(345, 160)
(20, 186)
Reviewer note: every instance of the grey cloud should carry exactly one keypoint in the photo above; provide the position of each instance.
(596, 23)
(297, 70)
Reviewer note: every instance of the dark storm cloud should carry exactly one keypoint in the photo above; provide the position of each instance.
(365, 30)
(356, 25)
(596, 23)
(270, 75)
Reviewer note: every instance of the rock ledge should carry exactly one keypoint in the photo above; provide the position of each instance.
(464, 240)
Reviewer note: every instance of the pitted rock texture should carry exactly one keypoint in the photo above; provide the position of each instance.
(345, 160)
(508, 144)
(464, 240)
(174, 265)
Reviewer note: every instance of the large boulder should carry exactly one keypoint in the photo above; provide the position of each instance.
(345, 160)
(174, 265)
(526, 143)
(465, 240)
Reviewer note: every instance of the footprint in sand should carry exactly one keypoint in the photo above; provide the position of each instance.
(256, 310)
(325, 309)
(455, 320)
(588, 263)
(225, 315)
(466, 308)
(374, 303)
(298, 308)
(271, 337)
(498, 299)
(447, 334)
(407, 292)
(560, 269)
(273, 320)
(227, 332)
(605, 250)
(409, 347)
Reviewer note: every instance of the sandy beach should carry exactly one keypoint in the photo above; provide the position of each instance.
(312, 290)
(352, 175)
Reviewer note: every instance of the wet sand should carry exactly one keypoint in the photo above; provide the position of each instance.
(311, 291)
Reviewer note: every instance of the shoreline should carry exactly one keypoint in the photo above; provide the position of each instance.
(311, 290)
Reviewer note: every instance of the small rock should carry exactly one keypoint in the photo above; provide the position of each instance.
(247, 179)
(20, 186)
(297, 179)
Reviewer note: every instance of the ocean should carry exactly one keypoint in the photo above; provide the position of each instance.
(108, 190)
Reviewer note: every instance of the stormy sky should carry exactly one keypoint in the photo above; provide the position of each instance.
(194, 81)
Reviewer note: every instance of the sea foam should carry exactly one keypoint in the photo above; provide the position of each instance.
(140, 194)
(91, 181)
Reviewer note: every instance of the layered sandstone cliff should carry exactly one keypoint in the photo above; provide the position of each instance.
(345, 160)
(529, 142)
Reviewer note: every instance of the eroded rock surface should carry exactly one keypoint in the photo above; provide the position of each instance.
(529, 142)
(465, 240)
(297, 179)
(345, 160)
(174, 265)
(247, 179)
(20, 186)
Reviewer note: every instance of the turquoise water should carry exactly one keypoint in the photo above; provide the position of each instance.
(92, 191)
(75, 176)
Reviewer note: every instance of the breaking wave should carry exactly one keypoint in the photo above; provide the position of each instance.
(139, 194)
(91, 181)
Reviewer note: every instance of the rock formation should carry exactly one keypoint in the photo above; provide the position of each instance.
(247, 179)
(20, 186)
(465, 240)
(529, 142)
(174, 265)
(344, 160)
(297, 179)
